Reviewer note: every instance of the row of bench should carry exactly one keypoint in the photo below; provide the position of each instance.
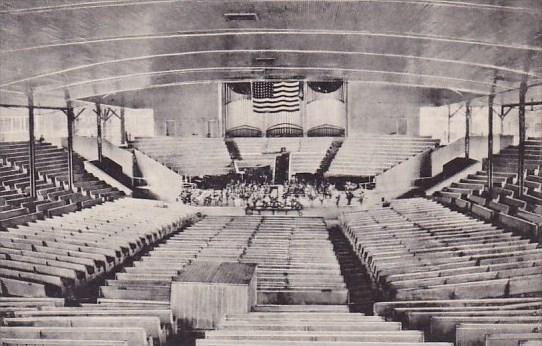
(189, 156)
(61, 256)
(378, 153)
(430, 252)
(315, 325)
(306, 152)
(503, 204)
(296, 260)
(371, 155)
(53, 194)
(47, 321)
(421, 254)
(473, 322)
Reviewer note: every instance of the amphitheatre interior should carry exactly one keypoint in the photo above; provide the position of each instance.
(271, 172)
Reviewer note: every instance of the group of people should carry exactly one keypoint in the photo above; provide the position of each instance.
(293, 194)
(242, 194)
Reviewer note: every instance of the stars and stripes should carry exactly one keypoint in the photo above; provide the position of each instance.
(276, 97)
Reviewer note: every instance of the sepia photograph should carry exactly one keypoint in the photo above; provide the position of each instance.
(270, 172)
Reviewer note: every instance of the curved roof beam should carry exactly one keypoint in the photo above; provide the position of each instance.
(298, 51)
(117, 3)
(259, 31)
(377, 82)
(317, 69)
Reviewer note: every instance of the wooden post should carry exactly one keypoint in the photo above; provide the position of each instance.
(98, 112)
(521, 118)
(122, 125)
(467, 129)
(449, 123)
(31, 146)
(491, 100)
(502, 120)
(303, 108)
(347, 109)
(71, 118)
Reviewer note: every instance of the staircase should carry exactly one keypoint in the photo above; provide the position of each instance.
(234, 151)
(330, 155)
(358, 282)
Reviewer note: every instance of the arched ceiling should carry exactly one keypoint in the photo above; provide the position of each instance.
(97, 48)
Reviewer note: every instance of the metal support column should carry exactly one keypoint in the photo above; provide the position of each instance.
(467, 129)
(122, 126)
(521, 118)
(71, 118)
(490, 143)
(98, 112)
(31, 146)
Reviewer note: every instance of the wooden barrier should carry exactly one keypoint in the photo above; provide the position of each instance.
(205, 292)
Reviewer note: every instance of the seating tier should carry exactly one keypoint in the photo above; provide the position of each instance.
(296, 326)
(441, 269)
(190, 156)
(63, 255)
(370, 155)
(296, 260)
(46, 321)
(306, 152)
(53, 194)
(503, 204)
(493, 322)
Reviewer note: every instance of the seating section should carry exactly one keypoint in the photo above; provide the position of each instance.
(371, 155)
(418, 249)
(189, 156)
(47, 321)
(491, 322)
(309, 325)
(54, 195)
(62, 256)
(452, 276)
(503, 205)
(255, 153)
(296, 260)
(307, 153)
(310, 155)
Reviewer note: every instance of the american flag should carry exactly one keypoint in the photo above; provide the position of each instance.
(275, 97)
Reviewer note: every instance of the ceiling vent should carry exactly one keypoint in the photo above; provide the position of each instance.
(265, 59)
(241, 16)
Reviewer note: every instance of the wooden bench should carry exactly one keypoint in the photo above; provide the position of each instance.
(133, 336)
